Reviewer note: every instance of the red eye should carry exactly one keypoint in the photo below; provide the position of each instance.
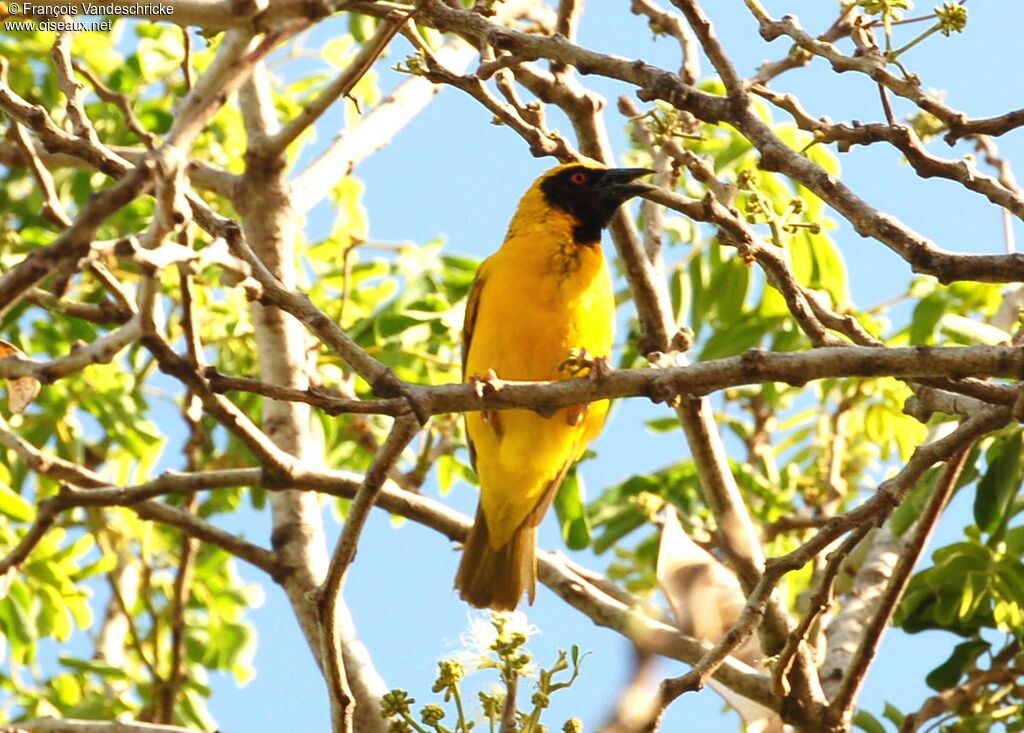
(579, 178)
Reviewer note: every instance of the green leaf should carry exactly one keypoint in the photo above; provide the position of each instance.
(868, 722)
(16, 621)
(948, 673)
(445, 473)
(618, 526)
(830, 268)
(361, 26)
(999, 484)
(893, 714)
(677, 291)
(878, 422)
(970, 332)
(663, 424)
(13, 505)
(698, 275)
(106, 671)
(728, 289)
(1014, 540)
(734, 339)
(910, 508)
(569, 509)
(926, 317)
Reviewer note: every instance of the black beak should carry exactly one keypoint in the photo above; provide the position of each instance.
(616, 184)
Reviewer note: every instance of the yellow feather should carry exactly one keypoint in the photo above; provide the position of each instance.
(539, 296)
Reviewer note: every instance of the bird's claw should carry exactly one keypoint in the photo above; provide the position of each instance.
(488, 384)
(580, 360)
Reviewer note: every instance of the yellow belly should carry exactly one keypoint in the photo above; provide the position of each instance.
(527, 322)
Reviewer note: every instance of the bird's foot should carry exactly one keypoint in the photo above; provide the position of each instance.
(580, 360)
(574, 414)
(488, 384)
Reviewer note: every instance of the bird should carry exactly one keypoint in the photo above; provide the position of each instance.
(541, 308)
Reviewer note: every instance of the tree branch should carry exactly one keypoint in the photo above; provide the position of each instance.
(841, 707)
(663, 385)
(329, 592)
(276, 143)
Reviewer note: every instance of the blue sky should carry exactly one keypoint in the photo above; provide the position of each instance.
(451, 173)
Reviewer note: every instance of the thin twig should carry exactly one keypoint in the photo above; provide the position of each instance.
(328, 594)
(842, 704)
(817, 604)
(341, 86)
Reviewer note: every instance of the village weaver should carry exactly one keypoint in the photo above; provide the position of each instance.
(541, 308)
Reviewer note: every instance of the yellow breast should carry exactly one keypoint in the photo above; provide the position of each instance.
(542, 295)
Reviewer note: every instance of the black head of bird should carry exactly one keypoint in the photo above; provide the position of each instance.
(591, 194)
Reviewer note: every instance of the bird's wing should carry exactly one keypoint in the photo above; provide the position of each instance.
(472, 307)
(535, 516)
(544, 503)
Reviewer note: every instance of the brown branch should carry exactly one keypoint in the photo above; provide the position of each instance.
(329, 592)
(661, 21)
(47, 464)
(810, 314)
(605, 610)
(297, 525)
(888, 495)
(374, 130)
(182, 587)
(96, 492)
(274, 293)
(193, 526)
(818, 602)
(617, 609)
(734, 84)
(53, 209)
(232, 64)
(907, 142)
(341, 86)
(120, 101)
(193, 342)
(329, 403)
(134, 637)
(960, 127)
(841, 707)
(566, 25)
(542, 141)
(101, 351)
(103, 313)
(181, 592)
(798, 57)
(652, 81)
(73, 90)
(75, 241)
(1000, 672)
(922, 363)
(218, 407)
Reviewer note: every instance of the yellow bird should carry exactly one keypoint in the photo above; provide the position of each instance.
(545, 294)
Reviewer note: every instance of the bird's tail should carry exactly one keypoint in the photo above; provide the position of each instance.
(497, 578)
